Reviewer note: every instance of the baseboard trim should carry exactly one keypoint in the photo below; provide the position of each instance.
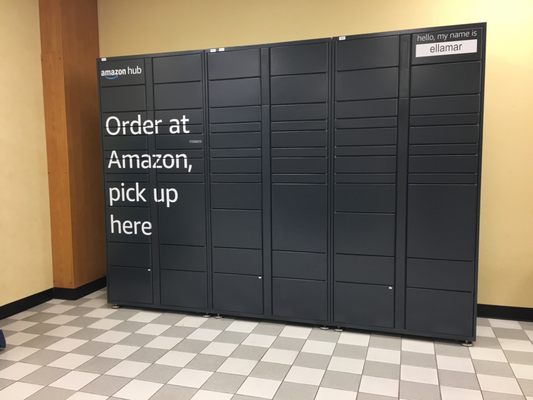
(78, 293)
(17, 306)
(26, 303)
(505, 312)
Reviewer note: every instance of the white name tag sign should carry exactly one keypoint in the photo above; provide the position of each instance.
(446, 48)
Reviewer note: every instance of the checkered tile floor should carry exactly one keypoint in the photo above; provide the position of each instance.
(84, 350)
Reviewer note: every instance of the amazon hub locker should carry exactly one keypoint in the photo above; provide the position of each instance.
(331, 182)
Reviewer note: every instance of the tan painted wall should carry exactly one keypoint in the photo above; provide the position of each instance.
(506, 239)
(25, 248)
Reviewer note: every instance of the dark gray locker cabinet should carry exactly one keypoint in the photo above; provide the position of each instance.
(443, 192)
(234, 88)
(178, 87)
(299, 85)
(364, 207)
(129, 256)
(333, 181)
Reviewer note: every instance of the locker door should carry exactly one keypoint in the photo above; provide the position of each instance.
(129, 256)
(299, 84)
(178, 92)
(364, 207)
(444, 151)
(236, 198)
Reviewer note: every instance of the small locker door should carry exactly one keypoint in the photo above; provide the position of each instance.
(444, 151)
(299, 84)
(234, 88)
(364, 207)
(129, 257)
(178, 92)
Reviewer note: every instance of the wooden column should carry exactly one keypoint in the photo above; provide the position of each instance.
(69, 45)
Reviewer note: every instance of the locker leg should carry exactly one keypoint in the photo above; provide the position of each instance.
(467, 343)
(115, 306)
(324, 328)
(206, 315)
(338, 329)
(218, 316)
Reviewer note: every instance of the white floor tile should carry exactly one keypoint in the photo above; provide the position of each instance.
(128, 369)
(190, 378)
(523, 371)
(23, 314)
(74, 380)
(419, 374)
(383, 355)
(486, 354)
(379, 386)
(100, 313)
(60, 319)
(176, 358)
(19, 338)
(144, 316)
(192, 322)
(344, 364)
(485, 331)
(105, 323)
(219, 349)
(503, 323)
(258, 340)
(304, 375)
(451, 363)
(499, 384)
(516, 345)
(138, 390)
(336, 394)
(18, 371)
(66, 344)
(237, 366)
(94, 303)
(70, 361)
(242, 326)
(280, 356)
(18, 326)
(111, 337)
(17, 353)
(210, 395)
(153, 329)
(19, 391)
(119, 351)
(204, 334)
(58, 309)
(259, 387)
(354, 338)
(87, 396)
(296, 332)
(163, 342)
(418, 346)
(63, 331)
(453, 393)
(318, 347)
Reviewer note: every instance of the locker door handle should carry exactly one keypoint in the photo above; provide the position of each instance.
(259, 277)
(149, 270)
(390, 287)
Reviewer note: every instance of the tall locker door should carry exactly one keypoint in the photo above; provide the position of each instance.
(178, 93)
(299, 93)
(129, 258)
(234, 88)
(444, 167)
(364, 204)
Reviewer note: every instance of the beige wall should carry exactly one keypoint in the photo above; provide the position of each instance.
(506, 239)
(25, 249)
